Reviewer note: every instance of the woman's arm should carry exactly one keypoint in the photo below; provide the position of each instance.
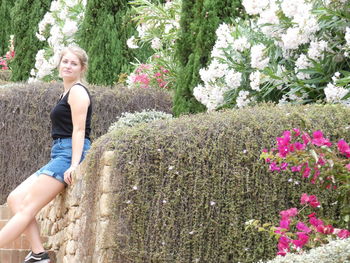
(79, 102)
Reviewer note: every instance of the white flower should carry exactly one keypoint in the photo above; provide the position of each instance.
(131, 43)
(233, 79)
(334, 93)
(269, 17)
(258, 60)
(134, 187)
(302, 63)
(240, 44)
(291, 8)
(292, 38)
(70, 28)
(210, 96)
(142, 29)
(255, 80)
(347, 36)
(32, 72)
(71, 3)
(55, 6)
(316, 49)
(40, 37)
(156, 43)
(212, 203)
(242, 99)
(168, 27)
(254, 7)
(224, 37)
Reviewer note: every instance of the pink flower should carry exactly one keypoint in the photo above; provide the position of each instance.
(297, 132)
(284, 166)
(299, 146)
(296, 168)
(316, 174)
(306, 138)
(344, 148)
(311, 199)
(343, 233)
(348, 166)
(319, 140)
(328, 229)
(283, 245)
(301, 241)
(306, 172)
(315, 222)
(274, 167)
(312, 215)
(286, 214)
(302, 227)
(158, 74)
(321, 160)
(284, 223)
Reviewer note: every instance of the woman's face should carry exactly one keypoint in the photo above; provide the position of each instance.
(70, 67)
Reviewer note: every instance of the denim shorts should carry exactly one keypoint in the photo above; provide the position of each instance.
(61, 156)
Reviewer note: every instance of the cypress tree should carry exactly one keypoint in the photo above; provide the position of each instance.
(5, 22)
(199, 21)
(106, 43)
(26, 15)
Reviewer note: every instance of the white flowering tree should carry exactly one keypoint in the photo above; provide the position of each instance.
(58, 28)
(290, 51)
(158, 24)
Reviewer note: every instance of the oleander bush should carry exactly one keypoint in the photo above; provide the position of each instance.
(185, 187)
(25, 124)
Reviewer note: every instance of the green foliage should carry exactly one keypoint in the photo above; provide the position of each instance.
(131, 119)
(185, 187)
(199, 21)
(25, 17)
(5, 22)
(106, 43)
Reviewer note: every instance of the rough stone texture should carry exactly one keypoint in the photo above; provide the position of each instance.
(69, 223)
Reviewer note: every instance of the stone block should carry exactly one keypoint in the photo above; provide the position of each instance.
(107, 158)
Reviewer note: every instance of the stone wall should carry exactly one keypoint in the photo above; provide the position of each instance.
(78, 221)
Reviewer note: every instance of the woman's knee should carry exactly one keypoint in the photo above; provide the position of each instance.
(14, 201)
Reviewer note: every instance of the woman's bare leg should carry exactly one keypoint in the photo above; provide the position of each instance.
(14, 201)
(40, 193)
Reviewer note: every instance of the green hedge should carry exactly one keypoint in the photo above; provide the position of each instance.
(185, 187)
(25, 125)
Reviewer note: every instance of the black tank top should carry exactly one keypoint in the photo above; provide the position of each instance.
(61, 118)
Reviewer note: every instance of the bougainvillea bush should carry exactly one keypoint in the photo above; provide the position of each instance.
(289, 51)
(317, 160)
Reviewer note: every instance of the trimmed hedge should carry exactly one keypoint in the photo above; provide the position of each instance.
(185, 187)
(25, 123)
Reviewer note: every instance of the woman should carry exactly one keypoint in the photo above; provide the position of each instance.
(71, 119)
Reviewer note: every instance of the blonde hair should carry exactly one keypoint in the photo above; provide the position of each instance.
(82, 56)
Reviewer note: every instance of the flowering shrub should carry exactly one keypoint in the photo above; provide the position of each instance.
(297, 232)
(58, 28)
(314, 158)
(131, 119)
(290, 51)
(148, 75)
(10, 54)
(158, 24)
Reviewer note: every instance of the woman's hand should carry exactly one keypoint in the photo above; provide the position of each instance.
(68, 174)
